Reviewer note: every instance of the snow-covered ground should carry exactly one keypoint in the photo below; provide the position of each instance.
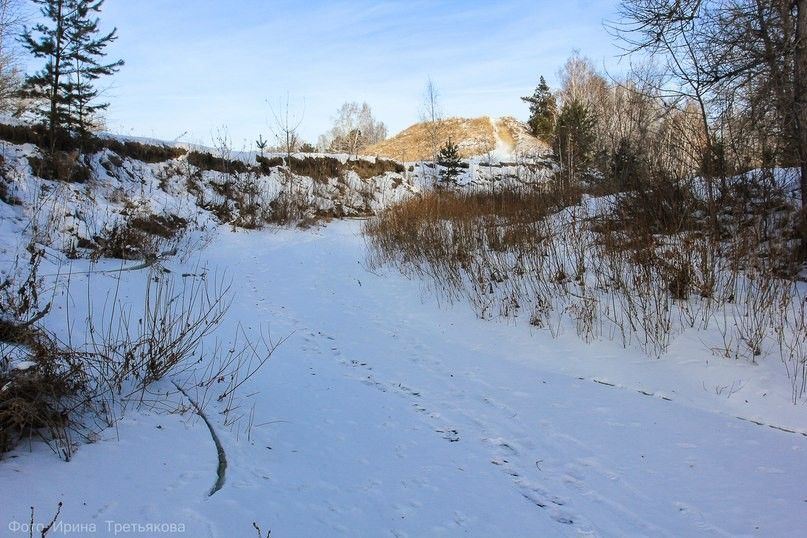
(387, 413)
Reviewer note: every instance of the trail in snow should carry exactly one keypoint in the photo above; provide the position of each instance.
(386, 415)
(502, 150)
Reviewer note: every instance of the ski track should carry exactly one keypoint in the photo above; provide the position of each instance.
(384, 415)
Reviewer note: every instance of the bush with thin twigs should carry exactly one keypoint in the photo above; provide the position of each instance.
(38, 384)
(68, 393)
(141, 346)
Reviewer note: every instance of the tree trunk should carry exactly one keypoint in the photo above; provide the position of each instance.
(800, 104)
(57, 71)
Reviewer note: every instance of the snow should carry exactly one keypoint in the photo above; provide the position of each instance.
(387, 412)
(502, 150)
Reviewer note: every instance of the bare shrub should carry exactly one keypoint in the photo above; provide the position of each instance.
(41, 396)
(139, 347)
(39, 385)
(791, 333)
(148, 153)
(293, 205)
(323, 168)
(207, 161)
(64, 393)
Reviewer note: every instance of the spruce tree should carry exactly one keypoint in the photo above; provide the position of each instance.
(72, 48)
(542, 111)
(86, 52)
(449, 159)
(574, 137)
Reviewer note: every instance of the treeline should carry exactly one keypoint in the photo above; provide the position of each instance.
(607, 131)
(716, 88)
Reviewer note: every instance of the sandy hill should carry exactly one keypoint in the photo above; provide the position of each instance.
(502, 138)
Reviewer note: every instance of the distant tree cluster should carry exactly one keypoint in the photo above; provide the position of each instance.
(741, 65)
(722, 88)
(354, 129)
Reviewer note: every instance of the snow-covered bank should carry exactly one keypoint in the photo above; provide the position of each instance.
(388, 414)
(196, 187)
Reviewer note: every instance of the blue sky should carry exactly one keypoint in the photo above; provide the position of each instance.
(202, 66)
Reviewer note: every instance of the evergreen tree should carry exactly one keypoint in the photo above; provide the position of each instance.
(449, 159)
(543, 109)
(574, 137)
(625, 165)
(72, 49)
(85, 52)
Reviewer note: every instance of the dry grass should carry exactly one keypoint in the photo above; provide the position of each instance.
(452, 236)
(640, 267)
(66, 393)
(38, 136)
(61, 166)
(139, 236)
(323, 168)
(148, 153)
(207, 161)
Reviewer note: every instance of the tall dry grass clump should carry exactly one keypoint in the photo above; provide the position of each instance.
(640, 267)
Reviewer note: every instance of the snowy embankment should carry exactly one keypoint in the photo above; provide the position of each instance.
(386, 413)
(110, 189)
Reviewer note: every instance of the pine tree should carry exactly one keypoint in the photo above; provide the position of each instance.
(72, 49)
(449, 159)
(543, 109)
(574, 137)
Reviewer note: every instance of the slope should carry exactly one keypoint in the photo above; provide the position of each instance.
(503, 138)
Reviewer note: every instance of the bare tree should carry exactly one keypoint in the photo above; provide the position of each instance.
(286, 123)
(749, 55)
(354, 128)
(800, 105)
(10, 74)
(432, 115)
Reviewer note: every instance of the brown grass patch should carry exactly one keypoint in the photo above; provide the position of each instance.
(207, 161)
(148, 153)
(323, 168)
(165, 226)
(38, 136)
(61, 166)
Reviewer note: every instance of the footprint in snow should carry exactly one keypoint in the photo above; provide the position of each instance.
(556, 514)
(452, 436)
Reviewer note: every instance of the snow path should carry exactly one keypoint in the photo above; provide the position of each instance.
(386, 415)
(502, 150)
